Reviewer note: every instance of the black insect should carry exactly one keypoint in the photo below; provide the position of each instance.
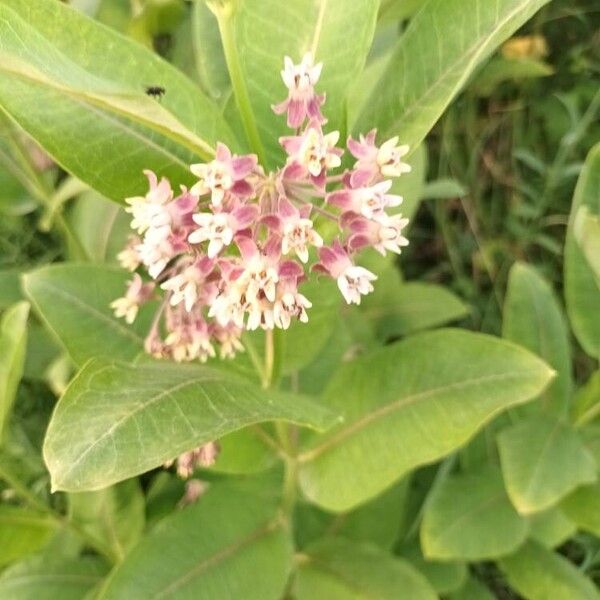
(155, 91)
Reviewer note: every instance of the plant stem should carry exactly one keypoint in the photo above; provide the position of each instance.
(225, 13)
(269, 359)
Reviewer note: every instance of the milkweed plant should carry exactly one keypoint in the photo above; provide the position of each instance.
(224, 371)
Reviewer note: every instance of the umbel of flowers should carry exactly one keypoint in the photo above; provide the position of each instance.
(230, 253)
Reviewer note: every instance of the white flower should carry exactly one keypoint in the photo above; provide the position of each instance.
(290, 305)
(259, 276)
(355, 282)
(150, 210)
(297, 235)
(184, 287)
(373, 200)
(389, 157)
(129, 257)
(301, 79)
(315, 152)
(156, 250)
(229, 307)
(214, 177)
(212, 228)
(390, 233)
(260, 314)
(128, 306)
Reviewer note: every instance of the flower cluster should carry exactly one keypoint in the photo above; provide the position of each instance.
(230, 253)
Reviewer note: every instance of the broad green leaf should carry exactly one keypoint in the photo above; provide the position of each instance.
(543, 459)
(42, 351)
(400, 308)
(46, 578)
(469, 517)
(410, 404)
(249, 450)
(540, 574)
(501, 69)
(412, 185)
(396, 10)
(101, 226)
(442, 189)
(439, 51)
(582, 289)
(10, 292)
(551, 528)
(13, 341)
(73, 300)
(586, 403)
(473, 589)
(587, 234)
(114, 515)
(444, 577)
(338, 34)
(534, 320)
(338, 569)
(230, 544)
(117, 420)
(22, 532)
(583, 508)
(88, 83)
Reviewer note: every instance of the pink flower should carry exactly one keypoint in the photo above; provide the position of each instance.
(150, 210)
(353, 281)
(383, 233)
(190, 340)
(220, 228)
(229, 338)
(184, 286)
(312, 154)
(290, 303)
(374, 162)
(367, 201)
(227, 174)
(137, 293)
(302, 101)
(295, 228)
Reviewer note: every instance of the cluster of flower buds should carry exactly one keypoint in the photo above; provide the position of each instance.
(230, 253)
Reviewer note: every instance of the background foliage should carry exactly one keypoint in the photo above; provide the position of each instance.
(392, 457)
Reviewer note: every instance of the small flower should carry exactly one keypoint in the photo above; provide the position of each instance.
(188, 462)
(229, 338)
(290, 304)
(353, 281)
(137, 293)
(383, 233)
(129, 257)
(150, 210)
(302, 101)
(227, 174)
(313, 152)
(376, 161)
(184, 286)
(190, 341)
(156, 250)
(219, 229)
(367, 201)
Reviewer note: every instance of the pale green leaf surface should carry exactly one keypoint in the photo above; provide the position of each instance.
(587, 234)
(543, 459)
(338, 569)
(540, 574)
(230, 544)
(551, 528)
(583, 508)
(534, 320)
(338, 33)
(410, 404)
(73, 301)
(442, 46)
(118, 420)
(473, 589)
(586, 402)
(582, 289)
(22, 532)
(469, 517)
(114, 515)
(45, 578)
(13, 343)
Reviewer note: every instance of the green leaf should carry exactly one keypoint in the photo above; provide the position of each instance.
(534, 320)
(22, 532)
(400, 308)
(230, 544)
(583, 508)
(410, 404)
(87, 82)
(73, 300)
(586, 403)
(10, 287)
(114, 515)
(473, 589)
(543, 459)
(13, 342)
(501, 69)
(540, 574)
(442, 46)
(582, 289)
(469, 517)
(339, 569)
(587, 234)
(117, 420)
(442, 189)
(551, 528)
(338, 33)
(45, 578)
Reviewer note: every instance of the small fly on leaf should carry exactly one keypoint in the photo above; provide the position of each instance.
(155, 91)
